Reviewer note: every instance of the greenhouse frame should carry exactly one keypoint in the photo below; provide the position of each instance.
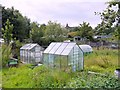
(31, 53)
(64, 55)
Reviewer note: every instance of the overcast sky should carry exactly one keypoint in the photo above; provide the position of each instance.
(73, 12)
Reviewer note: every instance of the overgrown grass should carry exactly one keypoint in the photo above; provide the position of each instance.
(25, 77)
(102, 61)
(42, 77)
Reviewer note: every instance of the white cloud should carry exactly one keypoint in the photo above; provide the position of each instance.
(73, 12)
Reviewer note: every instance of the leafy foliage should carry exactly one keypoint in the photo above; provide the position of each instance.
(37, 33)
(6, 53)
(110, 20)
(7, 35)
(16, 45)
(86, 31)
(84, 80)
(54, 32)
(73, 34)
(21, 24)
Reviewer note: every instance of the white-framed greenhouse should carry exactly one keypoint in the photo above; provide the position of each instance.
(64, 55)
(31, 53)
(86, 48)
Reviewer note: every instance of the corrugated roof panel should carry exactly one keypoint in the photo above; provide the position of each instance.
(28, 46)
(61, 48)
(32, 46)
(49, 47)
(55, 48)
(25, 46)
(68, 49)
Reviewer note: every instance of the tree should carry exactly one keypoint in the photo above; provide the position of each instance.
(7, 32)
(55, 32)
(110, 19)
(117, 18)
(21, 24)
(37, 33)
(86, 31)
(73, 34)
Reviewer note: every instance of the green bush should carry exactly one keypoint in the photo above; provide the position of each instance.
(6, 53)
(16, 45)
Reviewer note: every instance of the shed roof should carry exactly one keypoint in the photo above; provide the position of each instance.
(86, 48)
(60, 48)
(29, 46)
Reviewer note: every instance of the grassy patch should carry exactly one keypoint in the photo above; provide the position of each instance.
(42, 77)
(102, 61)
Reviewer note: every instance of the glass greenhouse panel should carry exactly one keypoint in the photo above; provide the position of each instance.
(37, 55)
(65, 55)
(32, 45)
(21, 52)
(37, 59)
(81, 60)
(71, 58)
(25, 46)
(68, 49)
(31, 53)
(86, 48)
(46, 59)
(75, 54)
(57, 61)
(63, 62)
(50, 59)
(37, 49)
(53, 50)
(49, 47)
(61, 48)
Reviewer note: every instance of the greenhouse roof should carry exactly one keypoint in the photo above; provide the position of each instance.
(86, 48)
(29, 46)
(60, 48)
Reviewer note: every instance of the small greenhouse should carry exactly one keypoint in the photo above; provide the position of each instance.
(63, 55)
(86, 48)
(31, 53)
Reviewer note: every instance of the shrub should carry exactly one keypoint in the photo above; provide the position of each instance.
(93, 81)
(16, 45)
(6, 53)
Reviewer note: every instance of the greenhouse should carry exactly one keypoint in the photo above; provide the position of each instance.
(63, 55)
(86, 48)
(31, 53)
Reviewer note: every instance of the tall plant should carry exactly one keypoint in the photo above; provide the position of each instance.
(7, 32)
(6, 52)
